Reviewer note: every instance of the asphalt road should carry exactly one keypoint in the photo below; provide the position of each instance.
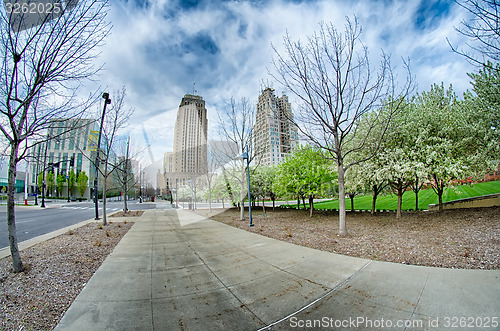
(34, 221)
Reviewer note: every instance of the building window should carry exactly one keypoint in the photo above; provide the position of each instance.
(79, 162)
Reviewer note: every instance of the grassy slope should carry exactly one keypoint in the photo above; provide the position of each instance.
(425, 197)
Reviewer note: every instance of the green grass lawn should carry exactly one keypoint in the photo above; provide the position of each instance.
(425, 197)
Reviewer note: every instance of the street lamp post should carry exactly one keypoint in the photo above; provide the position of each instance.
(71, 164)
(43, 193)
(67, 181)
(145, 192)
(36, 177)
(107, 101)
(245, 156)
(43, 176)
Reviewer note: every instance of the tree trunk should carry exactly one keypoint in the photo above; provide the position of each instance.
(351, 196)
(195, 189)
(416, 200)
(416, 190)
(298, 201)
(400, 199)
(104, 188)
(125, 208)
(342, 211)
(17, 264)
(439, 189)
(304, 202)
(274, 201)
(311, 205)
(209, 198)
(263, 206)
(374, 201)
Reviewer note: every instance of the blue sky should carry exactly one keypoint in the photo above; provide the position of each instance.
(161, 50)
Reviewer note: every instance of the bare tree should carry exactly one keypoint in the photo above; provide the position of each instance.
(236, 127)
(123, 173)
(115, 120)
(42, 68)
(211, 174)
(483, 30)
(332, 77)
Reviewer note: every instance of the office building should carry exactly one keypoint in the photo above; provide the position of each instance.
(188, 161)
(275, 135)
(71, 145)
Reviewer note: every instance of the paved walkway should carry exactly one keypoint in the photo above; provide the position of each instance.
(175, 270)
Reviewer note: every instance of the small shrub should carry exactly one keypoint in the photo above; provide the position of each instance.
(99, 226)
(108, 234)
(70, 232)
(98, 243)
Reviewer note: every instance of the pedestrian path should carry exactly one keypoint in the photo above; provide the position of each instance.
(108, 210)
(175, 270)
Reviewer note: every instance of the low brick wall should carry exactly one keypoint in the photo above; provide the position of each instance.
(476, 202)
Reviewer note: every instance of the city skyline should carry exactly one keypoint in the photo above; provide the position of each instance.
(161, 50)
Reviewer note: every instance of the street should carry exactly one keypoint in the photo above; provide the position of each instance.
(33, 221)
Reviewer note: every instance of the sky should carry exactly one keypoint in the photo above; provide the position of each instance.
(160, 50)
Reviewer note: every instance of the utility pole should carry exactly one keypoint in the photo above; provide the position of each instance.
(107, 101)
(125, 178)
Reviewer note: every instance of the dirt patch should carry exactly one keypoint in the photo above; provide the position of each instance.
(130, 213)
(465, 238)
(57, 270)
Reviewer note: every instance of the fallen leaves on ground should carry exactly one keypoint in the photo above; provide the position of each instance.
(56, 272)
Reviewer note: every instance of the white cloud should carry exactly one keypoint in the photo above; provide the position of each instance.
(159, 51)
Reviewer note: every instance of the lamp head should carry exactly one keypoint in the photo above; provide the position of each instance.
(243, 156)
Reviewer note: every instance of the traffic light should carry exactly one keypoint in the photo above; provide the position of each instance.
(72, 161)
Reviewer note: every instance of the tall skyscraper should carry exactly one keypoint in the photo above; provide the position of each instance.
(189, 159)
(274, 134)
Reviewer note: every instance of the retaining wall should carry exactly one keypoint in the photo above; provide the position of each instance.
(476, 202)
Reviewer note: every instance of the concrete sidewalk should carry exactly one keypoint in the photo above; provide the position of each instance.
(175, 270)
